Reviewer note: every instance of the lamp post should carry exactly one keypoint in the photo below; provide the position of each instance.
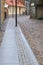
(16, 13)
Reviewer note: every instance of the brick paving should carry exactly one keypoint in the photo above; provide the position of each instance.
(33, 31)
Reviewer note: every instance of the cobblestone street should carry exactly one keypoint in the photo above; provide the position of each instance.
(33, 31)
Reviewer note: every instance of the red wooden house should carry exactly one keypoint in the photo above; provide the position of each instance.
(12, 5)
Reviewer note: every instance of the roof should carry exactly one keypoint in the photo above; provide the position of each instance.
(12, 2)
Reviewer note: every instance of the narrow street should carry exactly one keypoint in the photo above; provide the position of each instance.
(33, 31)
(21, 32)
(14, 49)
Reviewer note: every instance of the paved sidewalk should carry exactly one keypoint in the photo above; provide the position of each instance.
(14, 49)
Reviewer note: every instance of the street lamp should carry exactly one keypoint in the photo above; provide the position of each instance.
(16, 13)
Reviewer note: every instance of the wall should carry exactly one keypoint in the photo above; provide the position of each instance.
(2, 11)
(20, 10)
(27, 7)
(32, 13)
(36, 12)
(40, 12)
(12, 10)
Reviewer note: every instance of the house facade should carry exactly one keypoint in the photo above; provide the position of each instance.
(27, 3)
(1, 11)
(36, 9)
(12, 7)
